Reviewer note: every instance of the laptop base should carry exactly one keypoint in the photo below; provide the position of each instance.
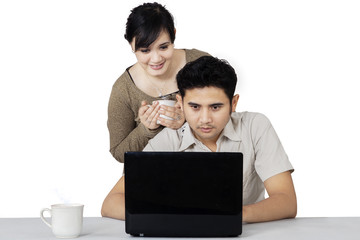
(169, 225)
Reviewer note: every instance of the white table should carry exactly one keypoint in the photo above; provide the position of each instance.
(105, 228)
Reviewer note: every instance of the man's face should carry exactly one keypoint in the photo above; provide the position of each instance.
(207, 111)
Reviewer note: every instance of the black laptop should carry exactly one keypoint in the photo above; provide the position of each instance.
(183, 194)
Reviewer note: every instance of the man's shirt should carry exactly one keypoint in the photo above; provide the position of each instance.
(249, 133)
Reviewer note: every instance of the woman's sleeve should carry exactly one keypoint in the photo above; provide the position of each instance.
(124, 134)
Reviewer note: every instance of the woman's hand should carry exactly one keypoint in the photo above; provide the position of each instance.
(175, 113)
(149, 114)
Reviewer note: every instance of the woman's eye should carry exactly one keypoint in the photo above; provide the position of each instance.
(144, 50)
(164, 47)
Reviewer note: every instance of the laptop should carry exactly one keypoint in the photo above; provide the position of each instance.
(183, 194)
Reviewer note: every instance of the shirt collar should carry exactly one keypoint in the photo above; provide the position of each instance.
(230, 132)
(188, 138)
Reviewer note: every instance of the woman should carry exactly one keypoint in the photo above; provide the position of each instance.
(133, 113)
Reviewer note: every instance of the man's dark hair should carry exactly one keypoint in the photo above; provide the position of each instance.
(146, 22)
(207, 71)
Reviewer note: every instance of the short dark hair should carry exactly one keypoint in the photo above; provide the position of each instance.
(207, 71)
(146, 22)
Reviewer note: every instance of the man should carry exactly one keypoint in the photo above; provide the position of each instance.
(207, 99)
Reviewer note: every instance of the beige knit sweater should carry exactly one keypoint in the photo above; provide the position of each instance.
(127, 133)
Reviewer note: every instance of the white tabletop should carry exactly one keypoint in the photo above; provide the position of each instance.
(105, 228)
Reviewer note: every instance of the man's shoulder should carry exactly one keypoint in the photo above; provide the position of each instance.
(252, 122)
(248, 118)
(175, 134)
(166, 140)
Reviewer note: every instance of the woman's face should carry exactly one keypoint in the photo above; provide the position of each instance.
(156, 59)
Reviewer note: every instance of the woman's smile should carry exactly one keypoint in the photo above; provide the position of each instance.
(157, 67)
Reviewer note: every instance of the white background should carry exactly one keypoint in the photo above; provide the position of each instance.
(297, 61)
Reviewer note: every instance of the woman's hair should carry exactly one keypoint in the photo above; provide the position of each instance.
(207, 71)
(146, 22)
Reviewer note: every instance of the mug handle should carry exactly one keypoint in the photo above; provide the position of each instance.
(42, 216)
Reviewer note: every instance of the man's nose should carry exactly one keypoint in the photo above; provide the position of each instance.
(205, 116)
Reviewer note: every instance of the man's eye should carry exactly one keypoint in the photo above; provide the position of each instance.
(215, 108)
(194, 107)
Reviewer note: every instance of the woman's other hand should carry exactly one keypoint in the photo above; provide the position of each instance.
(149, 114)
(173, 112)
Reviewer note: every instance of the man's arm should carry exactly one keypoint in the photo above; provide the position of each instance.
(280, 204)
(114, 203)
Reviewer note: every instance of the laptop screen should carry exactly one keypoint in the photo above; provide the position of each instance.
(183, 183)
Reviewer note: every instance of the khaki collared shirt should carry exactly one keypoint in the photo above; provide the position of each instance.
(249, 133)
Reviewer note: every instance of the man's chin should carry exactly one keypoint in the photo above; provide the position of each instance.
(205, 136)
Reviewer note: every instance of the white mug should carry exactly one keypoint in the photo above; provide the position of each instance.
(170, 103)
(66, 219)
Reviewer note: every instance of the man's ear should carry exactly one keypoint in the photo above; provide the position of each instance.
(179, 99)
(234, 102)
